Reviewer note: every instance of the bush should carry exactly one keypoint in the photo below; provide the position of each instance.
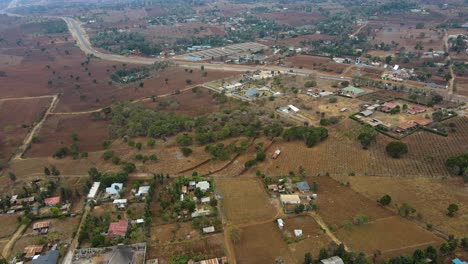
(332, 100)
(385, 200)
(396, 148)
(61, 153)
(260, 155)
(250, 163)
(107, 155)
(184, 140)
(452, 209)
(186, 151)
(309, 84)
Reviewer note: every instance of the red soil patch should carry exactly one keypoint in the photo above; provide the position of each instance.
(57, 129)
(16, 118)
(293, 18)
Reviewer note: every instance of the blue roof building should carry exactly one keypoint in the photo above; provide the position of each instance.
(458, 261)
(303, 186)
(51, 257)
(252, 92)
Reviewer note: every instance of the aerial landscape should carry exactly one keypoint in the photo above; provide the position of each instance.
(233, 131)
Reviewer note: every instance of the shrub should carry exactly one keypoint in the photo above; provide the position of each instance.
(396, 148)
(385, 200)
(186, 151)
(107, 155)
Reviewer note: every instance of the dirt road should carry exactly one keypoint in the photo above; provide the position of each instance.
(9, 246)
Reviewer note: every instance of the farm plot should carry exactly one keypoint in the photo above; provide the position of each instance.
(57, 130)
(333, 154)
(261, 243)
(462, 85)
(430, 198)
(338, 203)
(244, 200)
(208, 247)
(393, 236)
(16, 118)
(176, 232)
(312, 240)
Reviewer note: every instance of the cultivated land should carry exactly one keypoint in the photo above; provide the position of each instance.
(244, 201)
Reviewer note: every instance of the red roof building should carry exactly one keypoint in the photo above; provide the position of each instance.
(416, 110)
(118, 228)
(52, 201)
(387, 107)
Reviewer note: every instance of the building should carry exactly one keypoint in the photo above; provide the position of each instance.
(251, 93)
(117, 229)
(352, 91)
(52, 201)
(293, 108)
(276, 154)
(222, 260)
(298, 232)
(406, 127)
(209, 229)
(142, 191)
(387, 107)
(203, 186)
(120, 204)
(303, 186)
(366, 113)
(332, 260)
(280, 223)
(41, 227)
(201, 212)
(51, 257)
(205, 199)
(458, 261)
(273, 187)
(416, 110)
(290, 199)
(15, 201)
(93, 191)
(114, 190)
(33, 250)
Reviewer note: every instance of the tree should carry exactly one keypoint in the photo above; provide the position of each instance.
(188, 81)
(138, 145)
(235, 235)
(129, 167)
(388, 59)
(184, 140)
(55, 211)
(406, 210)
(12, 176)
(323, 254)
(315, 187)
(464, 242)
(46, 171)
(186, 151)
(332, 100)
(396, 148)
(445, 248)
(452, 209)
(366, 136)
(308, 258)
(385, 200)
(151, 143)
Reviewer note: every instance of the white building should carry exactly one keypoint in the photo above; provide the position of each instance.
(203, 186)
(93, 191)
(332, 260)
(280, 223)
(293, 108)
(208, 230)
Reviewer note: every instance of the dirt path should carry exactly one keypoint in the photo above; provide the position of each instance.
(9, 246)
(452, 73)
(322, 224)
(27, 140)
(26, 98)
(74, 243)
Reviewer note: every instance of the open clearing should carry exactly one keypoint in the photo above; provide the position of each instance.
(9, 225)
(245, 201)
(430, 197)
(393, 236)
(261, 244)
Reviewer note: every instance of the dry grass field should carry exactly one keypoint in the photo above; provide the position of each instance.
(9, 226)
(16, 118)
(244, 200)
(261, 243)
(313, 240)
(207, 247)
(430, 197)
(393, 236)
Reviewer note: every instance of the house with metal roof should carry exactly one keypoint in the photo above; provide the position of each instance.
(303, 186)
(332, 260)
(51, 257)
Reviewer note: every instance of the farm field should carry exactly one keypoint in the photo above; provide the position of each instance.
(313, 239)
(261, 243)
(332, 155)
(462, 85)
(315, 62)
(393, 236)
(16, 118)
(430, 197)
(244, 201)
(208, 247)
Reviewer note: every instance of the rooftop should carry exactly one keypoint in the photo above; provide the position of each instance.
(332, 260)
(51, 257)
(118, 228)
(52, 200)
(303, 186)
